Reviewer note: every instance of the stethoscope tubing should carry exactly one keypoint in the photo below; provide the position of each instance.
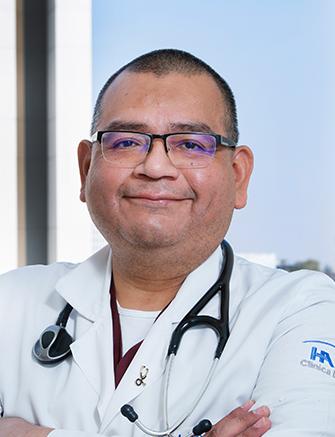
(192, 319)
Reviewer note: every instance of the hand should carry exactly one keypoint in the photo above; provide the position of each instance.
(16, 427)
(242, 423)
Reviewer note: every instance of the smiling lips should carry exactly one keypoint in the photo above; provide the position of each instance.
(156, 198)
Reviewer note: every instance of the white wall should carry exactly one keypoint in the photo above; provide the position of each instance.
(71, 234)
(8, 120)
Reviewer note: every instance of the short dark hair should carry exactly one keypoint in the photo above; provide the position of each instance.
(164, 61)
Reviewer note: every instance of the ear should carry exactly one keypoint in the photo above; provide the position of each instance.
(84, 161)
(243, 163)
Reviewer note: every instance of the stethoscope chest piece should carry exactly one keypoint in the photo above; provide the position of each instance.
(53, 345)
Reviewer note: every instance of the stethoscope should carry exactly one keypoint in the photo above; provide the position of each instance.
(53, 346)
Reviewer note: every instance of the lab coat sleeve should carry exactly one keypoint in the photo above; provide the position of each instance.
(297, 378)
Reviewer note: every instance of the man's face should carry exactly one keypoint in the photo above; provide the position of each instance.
(156, 205)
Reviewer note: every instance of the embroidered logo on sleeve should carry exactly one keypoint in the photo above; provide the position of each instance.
(321, 357)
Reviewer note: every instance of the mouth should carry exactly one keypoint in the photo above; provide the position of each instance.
(155, 199)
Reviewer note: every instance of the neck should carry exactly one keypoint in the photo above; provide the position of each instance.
(137, 292)
(149, 281)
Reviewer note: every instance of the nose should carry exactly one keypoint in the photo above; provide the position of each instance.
(157, 163)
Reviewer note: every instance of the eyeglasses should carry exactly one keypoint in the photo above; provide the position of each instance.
(185, 150)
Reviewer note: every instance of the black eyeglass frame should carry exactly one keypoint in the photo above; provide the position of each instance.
(220, 140)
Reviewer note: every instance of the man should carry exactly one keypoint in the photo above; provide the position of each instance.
(161, 178)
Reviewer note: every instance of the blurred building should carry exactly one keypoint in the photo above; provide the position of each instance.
(309, 264)
(45, 109)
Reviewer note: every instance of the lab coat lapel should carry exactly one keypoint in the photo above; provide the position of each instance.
(153, 350)
(151, 354)
(86, 288)
(93, 353)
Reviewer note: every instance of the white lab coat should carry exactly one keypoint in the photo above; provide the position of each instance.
(272, 315)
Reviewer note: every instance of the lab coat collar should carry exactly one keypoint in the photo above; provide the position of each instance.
(86, 286)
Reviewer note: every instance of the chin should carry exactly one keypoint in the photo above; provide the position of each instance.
(153, 241)
(152, 238)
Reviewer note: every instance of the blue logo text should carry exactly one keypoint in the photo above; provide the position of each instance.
(322, 356)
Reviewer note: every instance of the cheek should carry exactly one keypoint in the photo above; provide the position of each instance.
(102, 185)
(214, 188)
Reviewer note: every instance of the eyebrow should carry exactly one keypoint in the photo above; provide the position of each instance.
(142, 127)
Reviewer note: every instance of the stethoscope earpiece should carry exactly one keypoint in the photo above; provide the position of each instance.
(128, 411)
(203, 426)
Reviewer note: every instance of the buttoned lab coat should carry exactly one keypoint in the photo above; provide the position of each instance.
(281, 351)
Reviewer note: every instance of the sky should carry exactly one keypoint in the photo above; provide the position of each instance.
(278, 57)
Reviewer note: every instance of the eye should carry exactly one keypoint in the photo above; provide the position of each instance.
(191, 146)
(125, 144)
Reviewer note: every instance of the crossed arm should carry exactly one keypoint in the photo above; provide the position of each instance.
(241, 422)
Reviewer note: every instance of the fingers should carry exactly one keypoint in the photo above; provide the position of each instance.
(243, 423)
(258, 429)
(262, 425)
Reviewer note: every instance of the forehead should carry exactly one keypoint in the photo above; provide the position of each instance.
(161, 101)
